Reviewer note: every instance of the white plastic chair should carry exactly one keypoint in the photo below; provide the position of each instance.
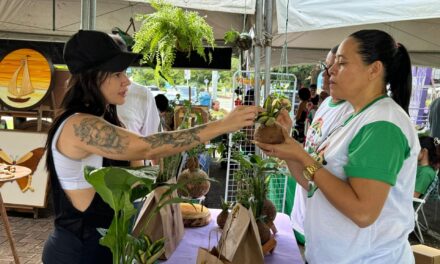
(418, 209)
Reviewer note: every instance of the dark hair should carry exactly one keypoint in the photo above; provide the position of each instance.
(334, 49)
(249, 98)
(83, 96)
(304, 94)
(162, 102)
(313, 86)
(427, 142)
(376, 45)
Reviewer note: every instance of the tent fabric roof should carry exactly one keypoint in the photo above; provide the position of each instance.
(227, 6)
(322, 24)
(33, 20)
(314, 26)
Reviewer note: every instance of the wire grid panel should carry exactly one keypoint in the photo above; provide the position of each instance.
(277, 191)
(242, 80)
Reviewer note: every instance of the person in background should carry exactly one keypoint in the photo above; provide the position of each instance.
(88, 132)
(314, 96)
(434, 118)
(217, 113)
(322, 96)
(427, 164)
(139, 112)
(301, 114)
(328, 116)
(238, 92)
(204, 98)
(360, 178)
(166, 112)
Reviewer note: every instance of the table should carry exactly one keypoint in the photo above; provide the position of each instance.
(19, 172)
(286, 250)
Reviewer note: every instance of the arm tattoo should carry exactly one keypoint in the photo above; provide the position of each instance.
(176, 139)
(96, 133)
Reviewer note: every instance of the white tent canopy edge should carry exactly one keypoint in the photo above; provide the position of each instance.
(316, 26)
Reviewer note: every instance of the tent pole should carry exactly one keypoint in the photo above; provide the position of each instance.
(88, 14)
(258, 49)
(268, 46)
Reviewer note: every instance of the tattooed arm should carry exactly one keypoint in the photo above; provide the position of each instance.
(85, 134)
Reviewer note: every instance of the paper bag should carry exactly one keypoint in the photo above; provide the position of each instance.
(204, 256)
(240, 241)
(167, 223)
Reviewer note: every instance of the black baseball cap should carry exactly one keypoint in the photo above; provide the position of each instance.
(90, 50)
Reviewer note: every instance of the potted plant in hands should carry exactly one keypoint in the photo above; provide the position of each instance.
(168, 30)
(269, 131)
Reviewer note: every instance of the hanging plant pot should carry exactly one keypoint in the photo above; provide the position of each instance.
(241, 40)
(169, 29)
(244, 41)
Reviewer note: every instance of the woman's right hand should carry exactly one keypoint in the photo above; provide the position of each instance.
(241, 116)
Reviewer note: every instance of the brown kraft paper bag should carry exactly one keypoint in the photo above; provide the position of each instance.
(240, 240)
(167, 223)
(205, 256)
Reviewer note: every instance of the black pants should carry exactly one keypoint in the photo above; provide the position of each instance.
(63, 247)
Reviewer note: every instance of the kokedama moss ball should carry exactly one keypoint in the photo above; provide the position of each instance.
(196, 186)
(264, 232)
(221, 218)
(269, 134)
(269, 211)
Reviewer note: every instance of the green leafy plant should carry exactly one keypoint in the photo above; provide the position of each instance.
(168, 30)
(119, 187)
(242, 40)
(198, 180)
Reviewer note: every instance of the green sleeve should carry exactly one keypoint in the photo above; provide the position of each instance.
(425, 175)
(377, 152)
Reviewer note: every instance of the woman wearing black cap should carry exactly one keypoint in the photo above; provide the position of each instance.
(88, 132)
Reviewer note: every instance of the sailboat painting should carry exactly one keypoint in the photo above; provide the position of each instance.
(25, 78)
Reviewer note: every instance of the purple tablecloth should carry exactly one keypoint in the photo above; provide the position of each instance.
(286, 250)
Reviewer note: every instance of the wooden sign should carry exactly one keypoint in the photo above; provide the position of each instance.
(25, 79)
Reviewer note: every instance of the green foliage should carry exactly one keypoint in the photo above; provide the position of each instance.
(231, 36)
(252, 177)
(145, 76)
(116, 186)
(302, 72)
(272, 107)
(167, 30)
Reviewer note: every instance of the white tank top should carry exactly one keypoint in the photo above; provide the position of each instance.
(70, 171)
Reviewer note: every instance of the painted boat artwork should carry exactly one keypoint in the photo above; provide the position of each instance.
(25, 79)
(26, 88)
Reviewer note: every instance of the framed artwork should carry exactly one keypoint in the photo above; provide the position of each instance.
(25, 79)
(25, 149)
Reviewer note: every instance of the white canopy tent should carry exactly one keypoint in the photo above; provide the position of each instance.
(56, 20)
(313, 26)
(316, 26)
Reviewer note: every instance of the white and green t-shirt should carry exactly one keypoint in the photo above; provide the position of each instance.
(378, 143)
(328, 116)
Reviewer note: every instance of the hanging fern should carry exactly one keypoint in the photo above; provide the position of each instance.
(168, 30)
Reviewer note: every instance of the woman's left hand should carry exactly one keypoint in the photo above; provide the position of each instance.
(290, 149)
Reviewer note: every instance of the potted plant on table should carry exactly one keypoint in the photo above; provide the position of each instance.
(116, 188)
(168, 30)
